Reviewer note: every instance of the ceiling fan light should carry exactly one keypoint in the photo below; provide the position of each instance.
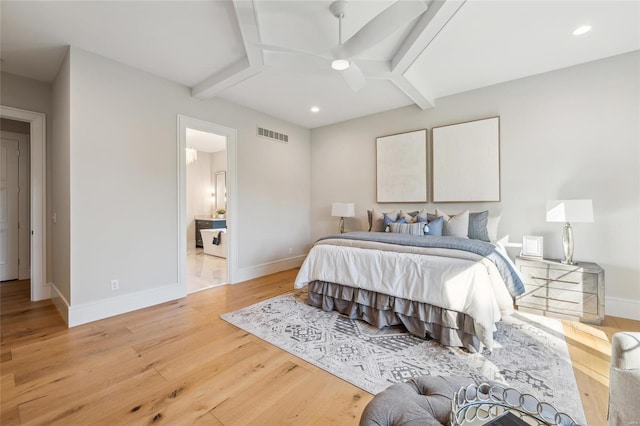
(340, 64)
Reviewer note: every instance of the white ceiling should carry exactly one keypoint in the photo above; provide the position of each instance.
(204, 141)
(211, 46)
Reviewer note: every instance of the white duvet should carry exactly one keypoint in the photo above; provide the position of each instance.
(451, 279)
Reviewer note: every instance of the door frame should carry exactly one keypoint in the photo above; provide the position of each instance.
(231, 134)
(37, 139)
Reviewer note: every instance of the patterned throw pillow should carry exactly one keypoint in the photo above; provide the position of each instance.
(478, 229)
(407, 228)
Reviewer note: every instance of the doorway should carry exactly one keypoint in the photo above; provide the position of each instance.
(206, 186)
(206, 210)
(15, 254)
(37, 199)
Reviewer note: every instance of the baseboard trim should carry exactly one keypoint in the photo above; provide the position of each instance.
(251, 272)
(60, 302)
(625, 308)
(89, 312)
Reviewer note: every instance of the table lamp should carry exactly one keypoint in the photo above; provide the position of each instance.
(343, 210)
(569, 211)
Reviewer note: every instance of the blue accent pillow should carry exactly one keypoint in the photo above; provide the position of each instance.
(478, 226)
(435, 226)
(388, 220)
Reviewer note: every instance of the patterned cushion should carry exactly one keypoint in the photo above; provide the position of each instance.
(407, 228)
(478, 226)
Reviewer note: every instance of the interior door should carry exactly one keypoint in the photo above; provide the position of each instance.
(8, 209)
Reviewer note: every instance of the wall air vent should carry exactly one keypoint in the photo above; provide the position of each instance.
(270, 134)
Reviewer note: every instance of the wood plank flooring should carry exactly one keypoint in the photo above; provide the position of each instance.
(178, 363)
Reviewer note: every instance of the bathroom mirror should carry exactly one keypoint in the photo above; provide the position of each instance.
(221, 190)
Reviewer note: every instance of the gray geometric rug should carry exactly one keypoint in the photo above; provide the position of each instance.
(530, 353)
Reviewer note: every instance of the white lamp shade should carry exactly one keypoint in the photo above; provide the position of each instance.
(573, 211)
(343, 209)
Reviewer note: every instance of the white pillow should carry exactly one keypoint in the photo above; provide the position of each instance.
(455, 225)
(492, 228)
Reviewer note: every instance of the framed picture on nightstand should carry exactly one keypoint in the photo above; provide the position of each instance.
(531, 246)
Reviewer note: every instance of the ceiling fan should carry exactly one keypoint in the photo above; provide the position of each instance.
(373, 32)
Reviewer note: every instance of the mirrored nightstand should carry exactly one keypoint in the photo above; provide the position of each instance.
(574, 292)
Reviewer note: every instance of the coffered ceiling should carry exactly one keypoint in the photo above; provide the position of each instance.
(220, 48)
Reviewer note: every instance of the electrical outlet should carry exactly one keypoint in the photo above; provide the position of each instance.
(290, 250)
(115, 285)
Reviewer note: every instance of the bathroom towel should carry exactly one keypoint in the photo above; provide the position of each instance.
(217, 240)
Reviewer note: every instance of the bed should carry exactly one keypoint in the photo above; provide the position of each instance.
(451, 289)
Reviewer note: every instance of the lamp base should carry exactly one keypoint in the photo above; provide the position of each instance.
(567, 244)
(342, 225)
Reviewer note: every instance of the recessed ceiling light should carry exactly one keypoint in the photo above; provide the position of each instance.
(582, 29)
(340, 64)
(315, 109)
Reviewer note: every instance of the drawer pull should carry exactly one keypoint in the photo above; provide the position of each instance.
(557, 300)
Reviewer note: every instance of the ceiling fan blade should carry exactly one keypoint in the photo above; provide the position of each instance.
(275, 48)
(380, 27)
(354, 77)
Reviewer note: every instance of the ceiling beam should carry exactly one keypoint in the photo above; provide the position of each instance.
(228, 77)
(375, 69)
(419, 97)
(427, 28)
(248, 23)
(430, 24)
(245, 68)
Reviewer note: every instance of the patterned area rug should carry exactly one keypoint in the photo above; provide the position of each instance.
(530, 352)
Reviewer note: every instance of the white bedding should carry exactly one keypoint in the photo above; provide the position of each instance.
(451, 279)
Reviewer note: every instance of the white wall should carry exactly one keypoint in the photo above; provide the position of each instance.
(123, 200)
(60, 182)
(572, 133)
(32, 95)
(199, 187)
(24, 207)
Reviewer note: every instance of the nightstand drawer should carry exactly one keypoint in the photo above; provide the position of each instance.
(561, 301)
(562, 280)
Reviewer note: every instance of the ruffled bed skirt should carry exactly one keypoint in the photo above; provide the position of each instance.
(450, 328)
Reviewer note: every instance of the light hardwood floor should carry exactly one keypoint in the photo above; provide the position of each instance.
(179, 363)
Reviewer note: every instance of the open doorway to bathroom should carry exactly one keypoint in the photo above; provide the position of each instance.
(205, 197)
(206, 209)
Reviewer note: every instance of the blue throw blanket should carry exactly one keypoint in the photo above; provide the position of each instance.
(509, 275)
